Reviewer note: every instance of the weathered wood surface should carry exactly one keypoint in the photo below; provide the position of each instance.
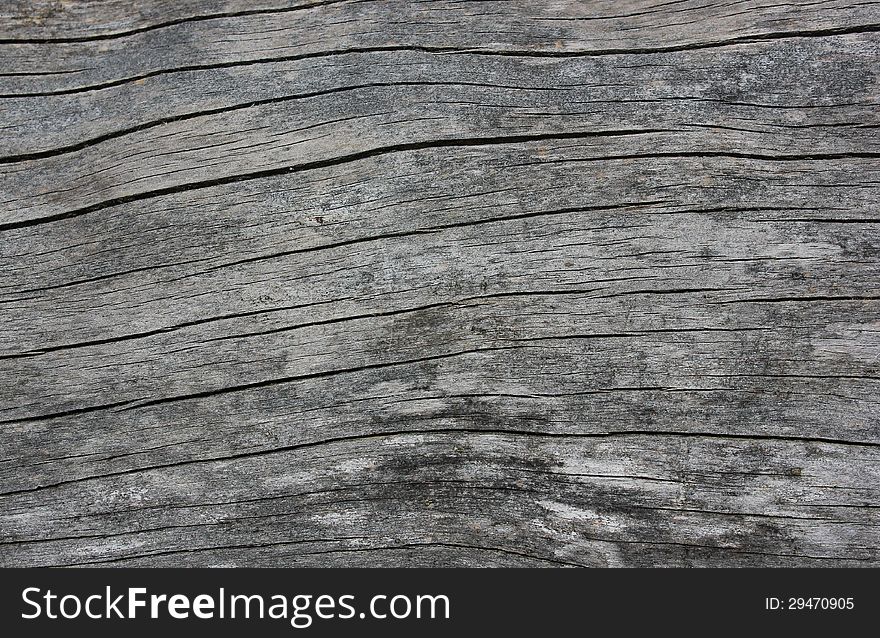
(439, 283)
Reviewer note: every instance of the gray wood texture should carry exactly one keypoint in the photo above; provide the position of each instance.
(439, 283)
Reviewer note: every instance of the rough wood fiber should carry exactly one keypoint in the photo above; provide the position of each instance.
(439, 283)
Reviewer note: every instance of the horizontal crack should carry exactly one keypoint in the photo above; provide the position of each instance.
(749, 39)
(434, 144)
(61, 150)
(451, 432)
(334, 161)
(163, 25)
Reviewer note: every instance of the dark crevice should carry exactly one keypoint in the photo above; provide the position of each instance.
(61, 150)
(750, 39)
(427, 145)
(157, 331)
(347, 242)
(226, 65)
(439, 227)
(168, 23)
(91, 280)
(325, 163)
(66, 413)
(450, 432)
(137, 404)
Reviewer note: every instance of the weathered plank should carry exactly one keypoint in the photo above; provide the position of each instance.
(445, 283)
